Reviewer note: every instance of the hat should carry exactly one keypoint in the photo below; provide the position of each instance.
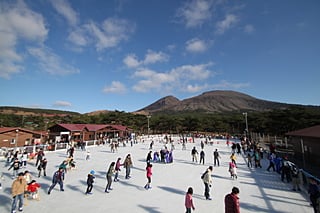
(92, 172)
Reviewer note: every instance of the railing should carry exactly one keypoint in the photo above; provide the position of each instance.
(305, 178)
(46, 147)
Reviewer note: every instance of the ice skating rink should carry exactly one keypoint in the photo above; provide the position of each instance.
(260, 190)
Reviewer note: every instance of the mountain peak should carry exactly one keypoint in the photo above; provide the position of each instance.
(213, 101)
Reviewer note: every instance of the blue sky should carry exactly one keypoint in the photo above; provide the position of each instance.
(82, 56)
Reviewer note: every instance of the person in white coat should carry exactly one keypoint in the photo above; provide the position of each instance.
(207, 180)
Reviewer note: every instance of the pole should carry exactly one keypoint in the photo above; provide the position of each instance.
(148, 117)
(246, 119)
(17, 137)
(302, 151)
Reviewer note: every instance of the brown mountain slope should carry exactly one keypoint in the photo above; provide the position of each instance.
(213, 101)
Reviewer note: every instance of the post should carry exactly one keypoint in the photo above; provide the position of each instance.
(302, 151)
(246, 119)
(17, 137)
(148, 117)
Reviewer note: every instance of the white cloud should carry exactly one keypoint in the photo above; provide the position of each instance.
(193, 72)
(115, 87)
(63, 8)
(154, 57)
(196, 46)
(62, 104)
(110, 33)
(224, 25)
(176, 79)
(228, 85)
(18, 23)
(151, 57)
(103, 35)
(195, 88)
(151, 80)
(195, 12)
(50, 62)
(78, 37)
(249, 29)
(131, 61)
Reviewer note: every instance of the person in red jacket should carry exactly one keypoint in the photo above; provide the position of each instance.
(188, 200)
(32, 188)
(149, 174)
(231, 201)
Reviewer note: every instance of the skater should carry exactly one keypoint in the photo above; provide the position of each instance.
(90, 180)
(24, 159)
(19, 186)
(207, 180)
(64, 165)
(249, 158)
(88, 155)
(27, 176)
(71, 163)
(202, 145)
(40, 155)
(117, 170)
(149, 157)
(257, 159)
(216, 157)
(71, 152)
(151, 145)
(233, 158)
(16, 166)
(128, 164)
(184, 147)
(314, 193)
(194, 154)
(58, 177)
(188, 200)
(202, 154)
(42, 166)
(295, 174)
(156, 157)
(149, 174)
(272, 158)
(109, 177)
(286, 170)
(32, 189)
(231, 201)
(233, 170)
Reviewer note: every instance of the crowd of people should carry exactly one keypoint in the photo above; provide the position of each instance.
(24, 184)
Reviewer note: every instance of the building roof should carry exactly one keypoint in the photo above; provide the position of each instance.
(10, 129)
(313, 131)
(92, 127)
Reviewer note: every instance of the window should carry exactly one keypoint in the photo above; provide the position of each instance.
(13, 141)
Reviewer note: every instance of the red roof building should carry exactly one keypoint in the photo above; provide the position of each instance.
(86, 132)
(19, 137)
(306, 146)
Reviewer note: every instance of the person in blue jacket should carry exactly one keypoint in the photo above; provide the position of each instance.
(58, 177)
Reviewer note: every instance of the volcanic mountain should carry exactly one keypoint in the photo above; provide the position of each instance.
(213, 101)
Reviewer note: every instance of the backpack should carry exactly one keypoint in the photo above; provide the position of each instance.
(204, 174)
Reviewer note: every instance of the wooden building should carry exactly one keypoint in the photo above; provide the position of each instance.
(306, 145)
(18, 137)
(87, 132)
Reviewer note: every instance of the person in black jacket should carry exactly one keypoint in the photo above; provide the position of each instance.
(42, 166)
(314, 193)
(149, 157)
(90, 181)
(16, 166)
